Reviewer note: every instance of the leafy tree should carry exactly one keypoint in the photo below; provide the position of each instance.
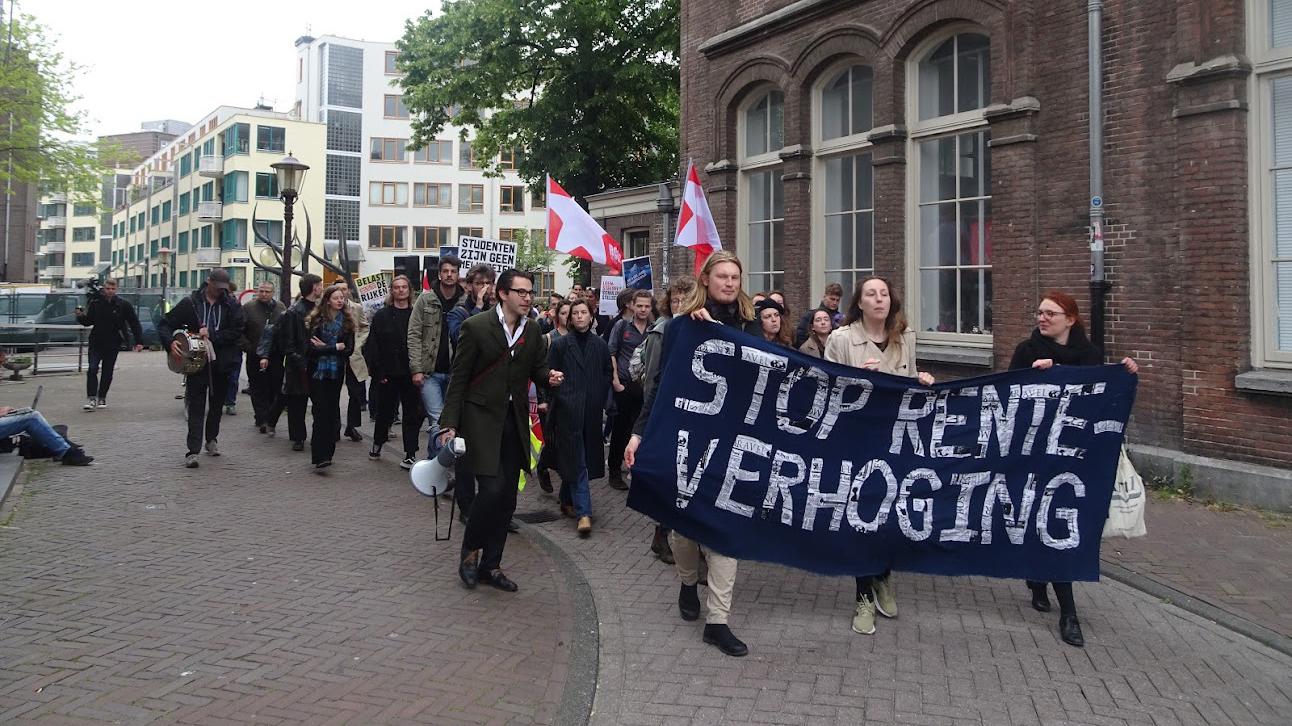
(587, 89)
(532, 255)
(39, 129)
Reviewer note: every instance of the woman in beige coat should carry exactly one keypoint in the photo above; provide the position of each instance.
(874, 336)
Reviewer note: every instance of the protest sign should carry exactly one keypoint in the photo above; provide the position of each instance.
(637, 273)
(373, 290)
(611, 286)
(764, 453)
(449, 251)
(497, 254)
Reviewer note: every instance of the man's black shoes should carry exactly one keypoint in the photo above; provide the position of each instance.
(545, 481)
(1070, 631)
(688, 602)
(727, 642)
(76, 456)
(499, 580)
(616, 482)
(353, 434)
(298, 446)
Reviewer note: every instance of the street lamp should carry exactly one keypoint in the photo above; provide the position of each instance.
(163, 256)
(291, 176)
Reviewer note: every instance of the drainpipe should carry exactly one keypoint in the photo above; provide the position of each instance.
(664, 203)
(1098, 283)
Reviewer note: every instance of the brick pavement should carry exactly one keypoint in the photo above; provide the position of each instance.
(249, 590)
(137, 602)
(1234, 560)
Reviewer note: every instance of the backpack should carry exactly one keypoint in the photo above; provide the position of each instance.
(637, 364)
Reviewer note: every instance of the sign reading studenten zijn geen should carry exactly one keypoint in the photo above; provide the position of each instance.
(763, 453)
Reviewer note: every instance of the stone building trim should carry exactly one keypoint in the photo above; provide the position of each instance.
(776, 21)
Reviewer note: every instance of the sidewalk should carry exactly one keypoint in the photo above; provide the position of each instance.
(1238, 561)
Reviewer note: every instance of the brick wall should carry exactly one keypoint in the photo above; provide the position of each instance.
(1175, 178)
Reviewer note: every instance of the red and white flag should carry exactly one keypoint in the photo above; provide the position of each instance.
(426, 280)
(570, 229)
(695, 227)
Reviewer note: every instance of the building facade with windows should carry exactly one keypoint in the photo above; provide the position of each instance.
(944, 144)
(395, 201)
(204, 196)
(68, 240)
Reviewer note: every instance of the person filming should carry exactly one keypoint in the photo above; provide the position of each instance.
(110, 319)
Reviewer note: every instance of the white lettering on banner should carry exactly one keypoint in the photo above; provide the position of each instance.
(713, 407)
(1038, 394)
(766, 362)
(967, 483)
(922, 505)
(1001, 418)
(498, 254)
(906, 417)
(1062, 420)
(942, 419)
(1015, 519)
(815, 413)
(837, 406)
(816, 499)
(743, 445)
(854, 493)
(688, 481)
(1067, 514)
(778, 485)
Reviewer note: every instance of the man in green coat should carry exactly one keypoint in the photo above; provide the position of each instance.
(487, 404)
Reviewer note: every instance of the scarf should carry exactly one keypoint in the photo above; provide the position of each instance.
(329, 366)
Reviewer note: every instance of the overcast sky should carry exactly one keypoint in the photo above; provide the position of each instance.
(146, 61)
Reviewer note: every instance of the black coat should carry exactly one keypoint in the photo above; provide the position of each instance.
(189, 314)
(577, 405)
(113, 321)
(1078, 352)
(289, 342)
(313, 354)
(386, 350)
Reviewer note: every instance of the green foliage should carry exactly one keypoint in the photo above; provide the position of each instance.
(39, 129)
(532, 255)
(588, 89)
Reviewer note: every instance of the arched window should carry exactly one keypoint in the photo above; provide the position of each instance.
(762, 198)
(951, 209)
(843, 200)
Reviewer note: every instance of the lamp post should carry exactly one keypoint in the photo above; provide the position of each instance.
(163, 256)
(664, 203)
(291, 175)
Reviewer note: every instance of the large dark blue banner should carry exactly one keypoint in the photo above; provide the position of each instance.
(763, 453)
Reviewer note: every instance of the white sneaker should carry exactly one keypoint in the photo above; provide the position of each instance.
(190, 461)
(212, 448)
(103, 403)
(90, 404)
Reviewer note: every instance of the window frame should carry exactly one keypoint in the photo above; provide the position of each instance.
(444, 159)
(517, 194)
(447, 199)
(921, 131)
(396, 231)
(399, 104)
(273, 186)
(394, 189)
(1269, 64)
(469, 201)
(271, 148)
(387, 65)
(750, 165)
(384, 140)
(420, 230)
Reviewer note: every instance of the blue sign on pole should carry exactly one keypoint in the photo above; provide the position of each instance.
(637, 273)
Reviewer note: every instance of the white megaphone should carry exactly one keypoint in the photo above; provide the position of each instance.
(431, 476)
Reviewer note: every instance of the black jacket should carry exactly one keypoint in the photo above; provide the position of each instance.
(224, 322)
(1078, 352)
(258, 315)
(112, 321)
(386, 349)
(289, 342)
(313, 355)
(728, 315)
(574, 420)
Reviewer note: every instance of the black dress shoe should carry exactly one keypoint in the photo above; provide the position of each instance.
(1070, 631)
(727, 642)
(688, 602)
(353, 435)
(467, 570)
(298, 446)
(498, 580)
(1040, 600)
(512, 526)
(617, 483)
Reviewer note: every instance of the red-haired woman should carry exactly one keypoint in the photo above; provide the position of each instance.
(874, 336)
(1060, 339)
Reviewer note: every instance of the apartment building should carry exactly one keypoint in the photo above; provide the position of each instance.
(399, 203)
(191, 206)
(67, 240)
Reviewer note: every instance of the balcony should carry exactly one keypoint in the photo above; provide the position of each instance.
(53, 222)
(207, 257)
(51, 272)
(210, 211)
(57, 198)
(211, 165)
(53, 248)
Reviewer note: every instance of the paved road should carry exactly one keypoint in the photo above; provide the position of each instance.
(248, 591)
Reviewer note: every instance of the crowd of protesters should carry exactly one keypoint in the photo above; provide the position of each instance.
(474, 356)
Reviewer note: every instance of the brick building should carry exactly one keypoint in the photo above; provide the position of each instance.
(944, 144)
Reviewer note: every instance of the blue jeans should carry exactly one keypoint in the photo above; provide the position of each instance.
(433, 389)
(578, 492)
(35, 426)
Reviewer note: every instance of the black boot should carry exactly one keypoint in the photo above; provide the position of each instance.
(659, 545)
(545, 481)
(1040, 600)
(727, 642)
(688, 602)
(1070, 630)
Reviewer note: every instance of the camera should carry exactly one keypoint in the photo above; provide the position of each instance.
(93, 288)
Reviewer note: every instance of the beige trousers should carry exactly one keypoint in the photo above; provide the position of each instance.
(722, 575)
